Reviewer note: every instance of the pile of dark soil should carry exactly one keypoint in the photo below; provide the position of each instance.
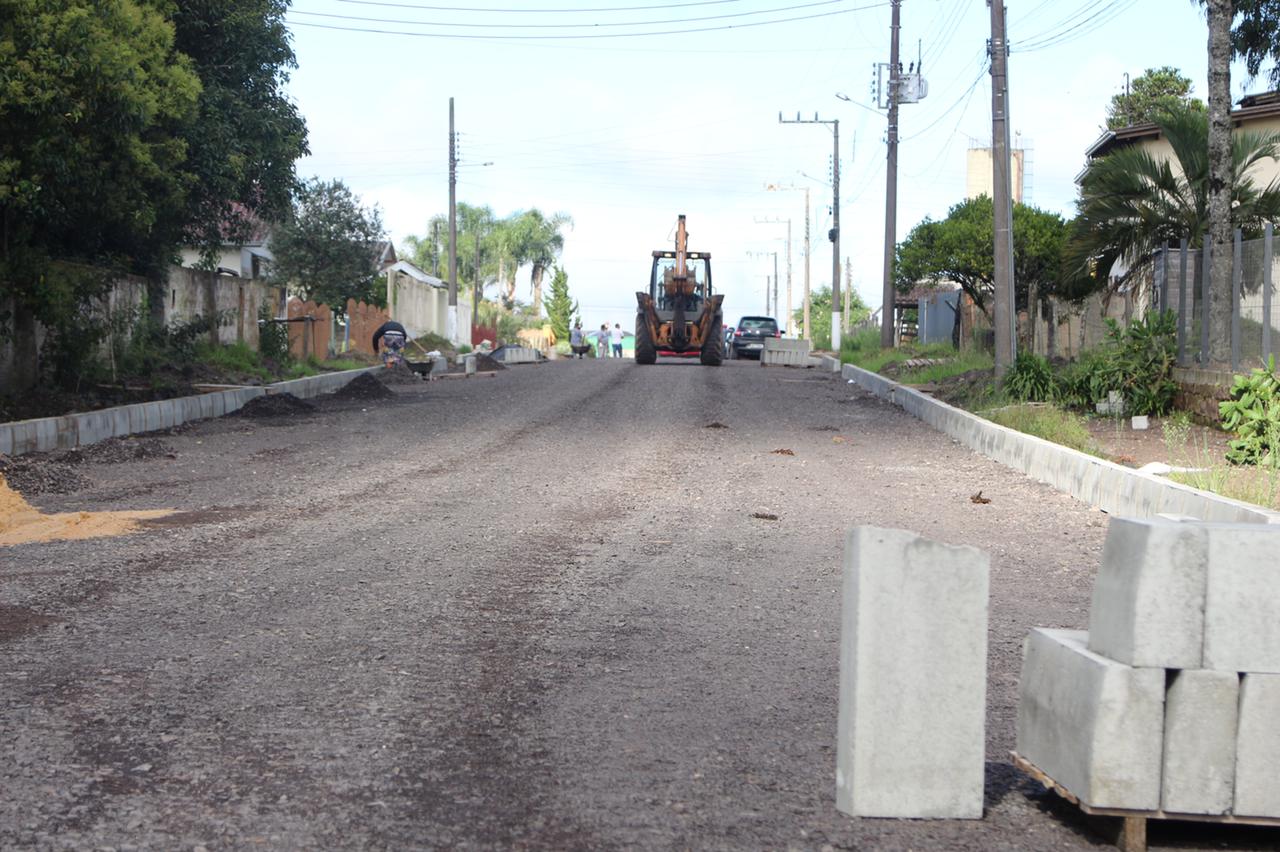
(276, 405)
(486, 363)
(364, 387)
(41, 473)
(399, 374)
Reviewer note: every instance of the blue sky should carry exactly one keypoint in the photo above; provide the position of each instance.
(623, 133)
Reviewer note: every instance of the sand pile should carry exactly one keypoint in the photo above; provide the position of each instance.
(22, 523)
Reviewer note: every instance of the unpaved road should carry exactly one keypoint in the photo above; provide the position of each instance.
(533, 611)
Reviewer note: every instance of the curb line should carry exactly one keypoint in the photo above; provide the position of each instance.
(1113, 488)
(76, 430)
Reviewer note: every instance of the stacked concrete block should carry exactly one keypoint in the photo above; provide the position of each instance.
(1187, 613)
(1092, 724)
(1242, 599)
(1149, 595)
(1200, 742)
(1258, 747)
(912, 677)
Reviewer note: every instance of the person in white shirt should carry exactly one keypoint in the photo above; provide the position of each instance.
(615, 338)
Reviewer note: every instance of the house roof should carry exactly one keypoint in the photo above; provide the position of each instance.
(1251, 108)
(407, 268)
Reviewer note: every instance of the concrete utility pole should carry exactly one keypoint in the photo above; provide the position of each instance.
(775, 285)
(451, 322)
(848, 292)
(887, 311)
(833, 235)
(1005, 315)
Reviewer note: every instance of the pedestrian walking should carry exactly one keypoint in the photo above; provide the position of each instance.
(577, 345)
(615, 337)
(602, 340)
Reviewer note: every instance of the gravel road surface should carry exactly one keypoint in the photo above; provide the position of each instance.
(544, 610)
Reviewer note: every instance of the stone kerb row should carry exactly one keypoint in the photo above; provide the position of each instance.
(1171, 701)
(1111, 487)
(76, 430)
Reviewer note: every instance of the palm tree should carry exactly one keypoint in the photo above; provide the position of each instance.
(540, 242)
(1132, 202)
(1221, 156)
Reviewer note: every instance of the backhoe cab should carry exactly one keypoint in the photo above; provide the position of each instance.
(680, 316)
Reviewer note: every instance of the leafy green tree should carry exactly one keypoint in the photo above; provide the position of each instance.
(91, 98)
(958, 250)
(820, 314)
(326, 251)
(246, 133)
(1151, 95)
(1132, 202)
(560, 306)
(1256, 36)
(538, 243)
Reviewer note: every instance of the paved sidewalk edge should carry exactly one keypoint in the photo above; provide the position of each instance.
(1111, 487)
(77, 430)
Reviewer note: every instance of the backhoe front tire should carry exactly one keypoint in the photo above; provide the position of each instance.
(646, 353)
(713, 347)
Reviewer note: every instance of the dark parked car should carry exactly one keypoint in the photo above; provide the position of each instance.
(748, 337)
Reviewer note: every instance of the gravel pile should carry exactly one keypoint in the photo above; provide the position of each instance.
(41, 473)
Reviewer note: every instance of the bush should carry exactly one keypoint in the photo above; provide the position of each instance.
(1253, 415)
(1030, 379)
(273, 337)
(1137, 361)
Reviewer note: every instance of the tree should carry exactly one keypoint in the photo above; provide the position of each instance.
(92, 97)
(539, 242)
(1155, 92)
(246, 133)
(326, 251)
(1132, 202)
(820, 314)
(1256, 37)
(1220, 170)
(958, 250)
(560, 306)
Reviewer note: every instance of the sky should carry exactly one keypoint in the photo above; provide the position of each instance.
(625, 113)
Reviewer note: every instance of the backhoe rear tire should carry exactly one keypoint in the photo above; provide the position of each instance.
(713, 347)
(646, 353)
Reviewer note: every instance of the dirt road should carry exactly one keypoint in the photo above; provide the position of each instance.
(534, 611)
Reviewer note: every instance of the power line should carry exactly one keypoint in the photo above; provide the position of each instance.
(526, 10)
(592, 25)
(521, 37)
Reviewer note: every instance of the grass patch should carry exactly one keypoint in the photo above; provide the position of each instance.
(234, 358)
(1048, 422)
(962, 362)
(1259, 486)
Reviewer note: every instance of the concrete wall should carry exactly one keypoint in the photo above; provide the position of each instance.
(192, 293)
(420, 308)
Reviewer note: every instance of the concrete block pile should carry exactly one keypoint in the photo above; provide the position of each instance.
(1171, 700)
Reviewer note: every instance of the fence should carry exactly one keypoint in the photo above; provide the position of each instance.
(1181, 284)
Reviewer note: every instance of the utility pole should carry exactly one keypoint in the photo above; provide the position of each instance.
(435, 244)
(766, 293)
(475, 299)
(833, 235)
(451, 323)
(775, 285)
(887, 310)
(835, 240)
(1005, 316)
(848, 291)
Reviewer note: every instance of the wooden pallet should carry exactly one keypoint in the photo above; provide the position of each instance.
(1133, 834)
